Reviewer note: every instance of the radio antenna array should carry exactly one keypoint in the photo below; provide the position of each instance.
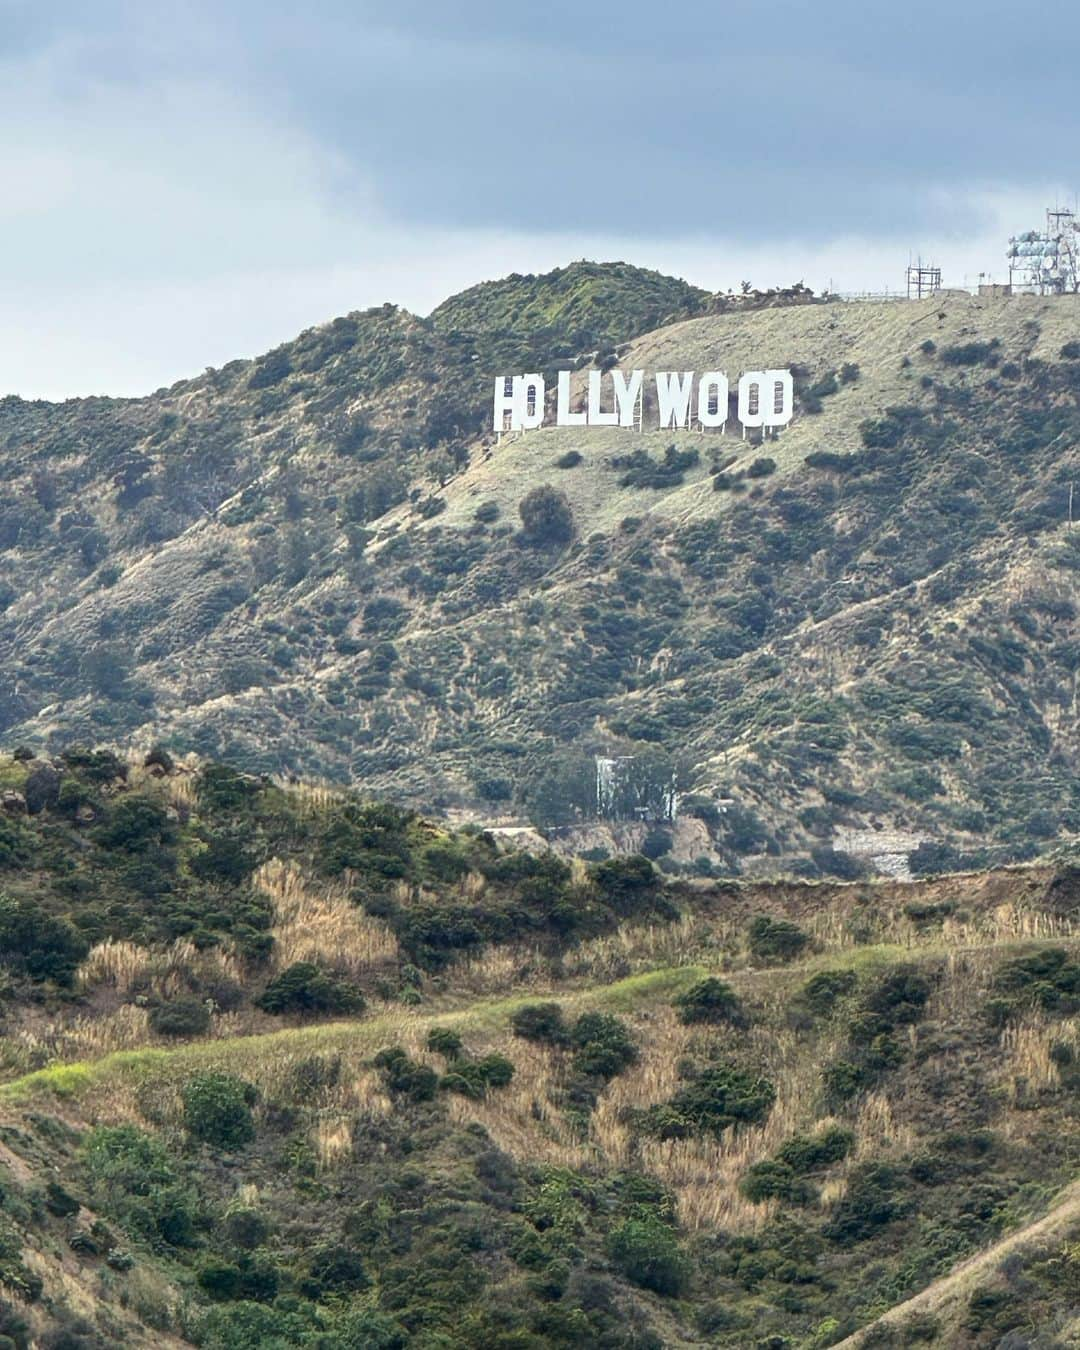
(1047, 262)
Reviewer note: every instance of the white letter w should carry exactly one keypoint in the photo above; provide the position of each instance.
(673, 396)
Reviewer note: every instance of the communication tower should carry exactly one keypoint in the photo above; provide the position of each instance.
(1047, 262)
(922, 281)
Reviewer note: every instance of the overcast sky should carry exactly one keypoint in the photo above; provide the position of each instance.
(184, 183)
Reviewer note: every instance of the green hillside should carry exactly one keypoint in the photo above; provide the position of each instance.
(285, 1067)
(316, 564)
(572, 312)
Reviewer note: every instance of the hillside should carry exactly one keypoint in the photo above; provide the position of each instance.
(315, 564)
(291, 1068)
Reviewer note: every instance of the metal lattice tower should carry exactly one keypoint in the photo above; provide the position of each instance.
(1047, 262)
(922, 280)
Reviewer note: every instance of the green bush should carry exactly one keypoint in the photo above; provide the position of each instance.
(546, 517)
(775, 1180)
(541, 1022)
(1048, 980)
(775, 939)
(304, 987)
(180, 1017)
(443, 1041)
(875, 1196)
(405, 1077)
(646, 1252)
(710, 1000)
(806, 1153)
(217, 1110)
(603, 1047)
(714, 1099)
(223, 789)
(334, 1269)
(472, 1078)
(899, 996)
(821, 993)
(38, 944)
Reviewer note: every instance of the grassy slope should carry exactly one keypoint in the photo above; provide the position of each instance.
(109, 1088)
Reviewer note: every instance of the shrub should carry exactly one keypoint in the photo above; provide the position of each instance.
(625, 882)
(645, 1251)
(603, 1045)
(1048, 979)
(842, 1080)
(219, 1280)
(546, 517)
(304, 987)
(443, 1041)
(334, 1269)
(541, 1022)
(710, 1000)
(712, 1100)
(472, 1078)
(136, 825)
(805, 1153)
(220, 788)
(967, 353)
(180, 1017)
(37, 943)
(775, 939)
(1071, 351)
(774, 1180)
(124, 1159)
(217, 1110)
(899, 996)
(245, 1228)
(874, 1197)
(570, 460)
(761, 467)
(403, 1076)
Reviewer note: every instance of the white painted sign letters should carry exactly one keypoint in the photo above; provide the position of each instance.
(765, 400)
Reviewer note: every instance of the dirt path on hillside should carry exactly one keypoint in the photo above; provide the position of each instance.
(935, 1296)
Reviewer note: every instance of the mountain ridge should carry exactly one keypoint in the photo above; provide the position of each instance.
(281, 562)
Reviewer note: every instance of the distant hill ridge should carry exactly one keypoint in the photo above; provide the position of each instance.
(315, 563)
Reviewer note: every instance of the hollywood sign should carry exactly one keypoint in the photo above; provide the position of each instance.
(764, 399)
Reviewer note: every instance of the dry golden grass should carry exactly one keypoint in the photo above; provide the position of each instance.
(332, 1138)
(877, 1132)
(498, 970)
(522, 1119)
(1028, 1068)
(322, 925)
(473, 885)
(688, 941)
(162, 972)
(834, 930)
(122, 965)
(526, 1120)
(89, 1037)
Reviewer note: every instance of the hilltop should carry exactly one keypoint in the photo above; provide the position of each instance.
(287, 1067)
(315, 564)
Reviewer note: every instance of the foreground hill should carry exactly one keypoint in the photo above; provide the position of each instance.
(315, 563)
(283, 1068)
